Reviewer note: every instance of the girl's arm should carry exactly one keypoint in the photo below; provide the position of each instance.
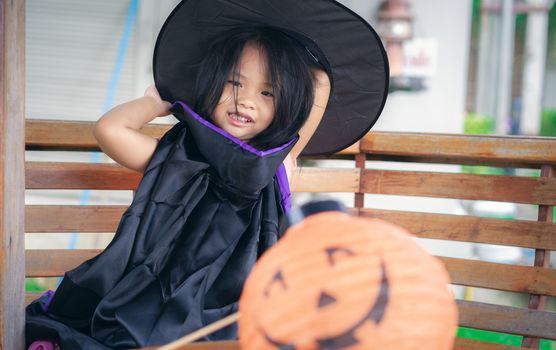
(117, 132)
(322, 92)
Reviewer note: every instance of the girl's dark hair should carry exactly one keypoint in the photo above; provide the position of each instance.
(289, 65)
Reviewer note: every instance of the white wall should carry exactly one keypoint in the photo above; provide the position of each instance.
(441, 107)
(71, 51)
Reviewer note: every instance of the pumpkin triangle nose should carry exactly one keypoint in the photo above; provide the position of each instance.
(326, 299)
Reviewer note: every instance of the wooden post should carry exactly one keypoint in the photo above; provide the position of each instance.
(542, 259)
(359, 201)
(12, 181)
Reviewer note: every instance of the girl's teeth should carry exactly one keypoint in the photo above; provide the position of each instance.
(239, 118)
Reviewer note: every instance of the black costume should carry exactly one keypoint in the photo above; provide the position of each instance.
(208, 205)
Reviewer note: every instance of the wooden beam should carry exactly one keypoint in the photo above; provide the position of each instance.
(395, 146)
(77, 176)
(511, 278)
(312, 179)
(463, 148)
(524, 279)
(73, 218)
(507, 319)
(12, 183)
(359, 196)
(466, 228)
(515, 189)
(65, 135)
(542, 258)
(55, 262)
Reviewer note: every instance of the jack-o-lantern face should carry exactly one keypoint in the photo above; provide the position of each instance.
(334, 282)
(328, 298)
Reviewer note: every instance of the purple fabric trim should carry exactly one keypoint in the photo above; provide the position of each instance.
(284, 186)
(49, 294)
(224, 133)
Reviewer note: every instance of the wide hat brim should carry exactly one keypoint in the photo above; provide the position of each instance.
(353, 53)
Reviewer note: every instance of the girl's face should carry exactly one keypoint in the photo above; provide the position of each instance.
(255, 99)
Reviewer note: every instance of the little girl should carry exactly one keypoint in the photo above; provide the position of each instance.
(184, 246)
(249, 81)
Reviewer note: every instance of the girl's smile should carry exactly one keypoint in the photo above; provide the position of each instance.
(240, 119)
(246, 106)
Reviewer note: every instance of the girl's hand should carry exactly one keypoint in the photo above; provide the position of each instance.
(161, 107)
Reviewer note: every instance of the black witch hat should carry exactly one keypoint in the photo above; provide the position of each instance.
(343, 43)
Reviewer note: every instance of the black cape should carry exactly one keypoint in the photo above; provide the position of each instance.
(207, 207)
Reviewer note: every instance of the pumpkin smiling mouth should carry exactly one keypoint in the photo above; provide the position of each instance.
(341, 341)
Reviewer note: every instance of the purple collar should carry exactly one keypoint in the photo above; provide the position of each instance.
(224, 133)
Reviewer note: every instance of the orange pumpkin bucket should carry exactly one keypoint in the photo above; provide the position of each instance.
(341, 282)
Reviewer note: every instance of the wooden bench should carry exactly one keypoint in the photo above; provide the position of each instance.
(537, 281)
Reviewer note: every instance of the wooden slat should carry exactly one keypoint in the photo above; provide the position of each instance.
(12, 155)
(325, 180)
(507, 319)
(73, 218)
(71, 135)
(519, 233)
(55, 262)
(516, 189)
(470, 344)
(512, 278)
(463, 148)
(525, 279)
(54, 134)
(58, 175)
(359, 197)
(542, 256)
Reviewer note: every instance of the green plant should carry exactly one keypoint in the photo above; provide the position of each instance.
(548, 122)
(478, 124)
(34, 285)
(500, 338)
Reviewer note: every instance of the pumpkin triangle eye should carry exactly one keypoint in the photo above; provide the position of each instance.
(276, 278)
(335, 250)
(326, 299)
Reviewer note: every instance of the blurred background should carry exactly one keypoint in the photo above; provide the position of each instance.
(465, 66)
